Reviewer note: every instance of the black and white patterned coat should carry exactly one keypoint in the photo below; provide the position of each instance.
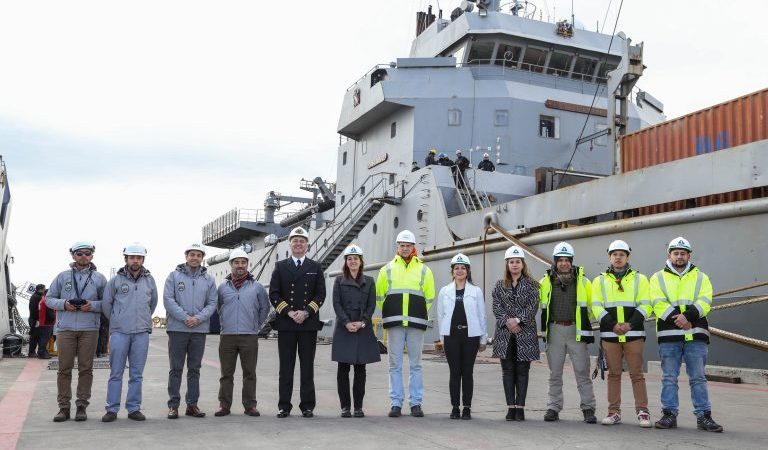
(522, 305)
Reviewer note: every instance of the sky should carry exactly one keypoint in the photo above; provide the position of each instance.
(125, 121)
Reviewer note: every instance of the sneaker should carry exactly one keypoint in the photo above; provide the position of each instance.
(668, 420)
(137, 416)
(358, 413)
(395, 411)
(520, 414)
(644, 419)
(173, 413)
(706, 423)
(466, 414)
(455, 413)
(416, 411)
(345, 413)
(61, 416)
(307, 413)
(511, 414)
(551, 415)
(80, 415)
(613, 418)
(109, 417)
(589, 416)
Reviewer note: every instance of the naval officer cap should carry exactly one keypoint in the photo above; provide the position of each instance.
(300, 232)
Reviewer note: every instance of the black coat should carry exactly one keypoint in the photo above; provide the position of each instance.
(34, 309)
(292, 289)
(353, 303)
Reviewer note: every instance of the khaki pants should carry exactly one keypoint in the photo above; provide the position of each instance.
(561, 342)
(632, 351)
(82, 344)
(230, 347)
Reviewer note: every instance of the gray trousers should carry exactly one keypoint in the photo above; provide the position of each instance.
(190, 347)
(561, 341)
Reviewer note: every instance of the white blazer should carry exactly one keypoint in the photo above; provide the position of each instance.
(473, 306)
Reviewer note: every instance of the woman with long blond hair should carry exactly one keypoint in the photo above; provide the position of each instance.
(515, 302)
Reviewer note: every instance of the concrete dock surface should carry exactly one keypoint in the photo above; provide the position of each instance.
(28, 404)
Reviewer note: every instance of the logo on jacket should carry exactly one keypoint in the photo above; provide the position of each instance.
(124, 288)
(68, 286)
(181, 286)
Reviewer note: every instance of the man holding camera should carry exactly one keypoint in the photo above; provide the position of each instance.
(76, 294)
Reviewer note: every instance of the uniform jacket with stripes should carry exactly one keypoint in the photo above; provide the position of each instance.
(690, 295)
(628, 302)
(297, 289)
(584, 331)
(404, 293)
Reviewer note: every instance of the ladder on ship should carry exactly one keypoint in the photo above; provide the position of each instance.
(469, 198)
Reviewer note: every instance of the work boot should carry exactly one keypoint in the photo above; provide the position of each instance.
(395, 411)
(62, 415)
(109, 417)
(137, 416)
(589, 416)
(668, 420)
(706, 423)
(80, 415)
(519, 414)
(416, 411)
(551, 415)
(455, 413)
(466, 414)
(194, 411)
(359, 412)
(252, 411)
(511, 414)
(173, 413)
(221, 412)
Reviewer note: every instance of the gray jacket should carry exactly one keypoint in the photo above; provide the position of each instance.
(129, 303)
(242, 311)
(90, 284)
(189, 295)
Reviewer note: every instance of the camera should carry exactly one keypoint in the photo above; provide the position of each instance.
(78, 303)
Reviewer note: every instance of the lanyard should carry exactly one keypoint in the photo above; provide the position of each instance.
(74, 281)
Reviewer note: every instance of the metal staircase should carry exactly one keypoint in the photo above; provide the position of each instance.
(469, 198)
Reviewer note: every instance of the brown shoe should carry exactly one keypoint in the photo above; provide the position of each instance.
(173, 413)
(252, 411)
(194, 411)
(80, 415)
(61, 416)
(221, 412)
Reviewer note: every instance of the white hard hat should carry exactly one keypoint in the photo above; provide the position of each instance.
(619, 245)
(514, 252)
(237, 253)
(298, 231)
(461, 258)
(82, 245)
(135, 249)
(563, 249)
(196, 247)
(406, 236)
(486, 155)
(458, 152)
(679, 243)
(353, 250)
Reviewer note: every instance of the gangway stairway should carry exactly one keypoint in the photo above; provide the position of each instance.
(469, 199)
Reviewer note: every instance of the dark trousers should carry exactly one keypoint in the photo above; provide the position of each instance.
(358, 385)
(101, 345)
(43, 336)
(514, 376)
(190, 347)
(247, 347)
(288, 343)
(32, 340)
(461, 351)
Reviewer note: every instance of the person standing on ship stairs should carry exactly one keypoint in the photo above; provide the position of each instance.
(682, 297)
(76, 294)
(405, 289)
(297, 291)
(189, 297)
(430, 159)
(565, 295)
(130, 299)
(620, 302)
(459, 169)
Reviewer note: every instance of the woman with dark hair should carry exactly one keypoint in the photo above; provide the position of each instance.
(354, 344)
(515, 301)
(463, 330)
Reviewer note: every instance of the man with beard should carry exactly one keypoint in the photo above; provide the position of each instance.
(189, 297)
(77, 296)
(682, 297)
(130, 299)
(243, 308)
(565, 296)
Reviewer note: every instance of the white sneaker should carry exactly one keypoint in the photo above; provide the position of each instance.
(612, 419)
(644, 419)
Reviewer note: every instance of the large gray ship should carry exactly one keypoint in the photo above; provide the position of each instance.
(551, 106)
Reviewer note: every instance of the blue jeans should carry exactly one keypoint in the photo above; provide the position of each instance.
(672, 354)
(132, 348)
(397, 340)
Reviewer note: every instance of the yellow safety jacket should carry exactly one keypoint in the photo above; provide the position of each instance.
(584, 331)
(628, 302)
(404, 293)
(690, 295)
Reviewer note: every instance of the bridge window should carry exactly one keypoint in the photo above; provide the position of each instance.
(508, 55)
(584, 69)
(549, 127)
(602, 75)
(481, 52)
(559, 64)
(534, 59)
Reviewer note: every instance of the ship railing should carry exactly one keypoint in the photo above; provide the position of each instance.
(532, 72)
(468, 193)
(230, 221)
(369, 72)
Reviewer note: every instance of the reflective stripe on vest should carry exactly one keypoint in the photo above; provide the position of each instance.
(682, 303)
(628, 333)
(619, 305)
(405, 318)
(687, 333)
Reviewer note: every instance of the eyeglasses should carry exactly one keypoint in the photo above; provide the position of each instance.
(85, 253)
